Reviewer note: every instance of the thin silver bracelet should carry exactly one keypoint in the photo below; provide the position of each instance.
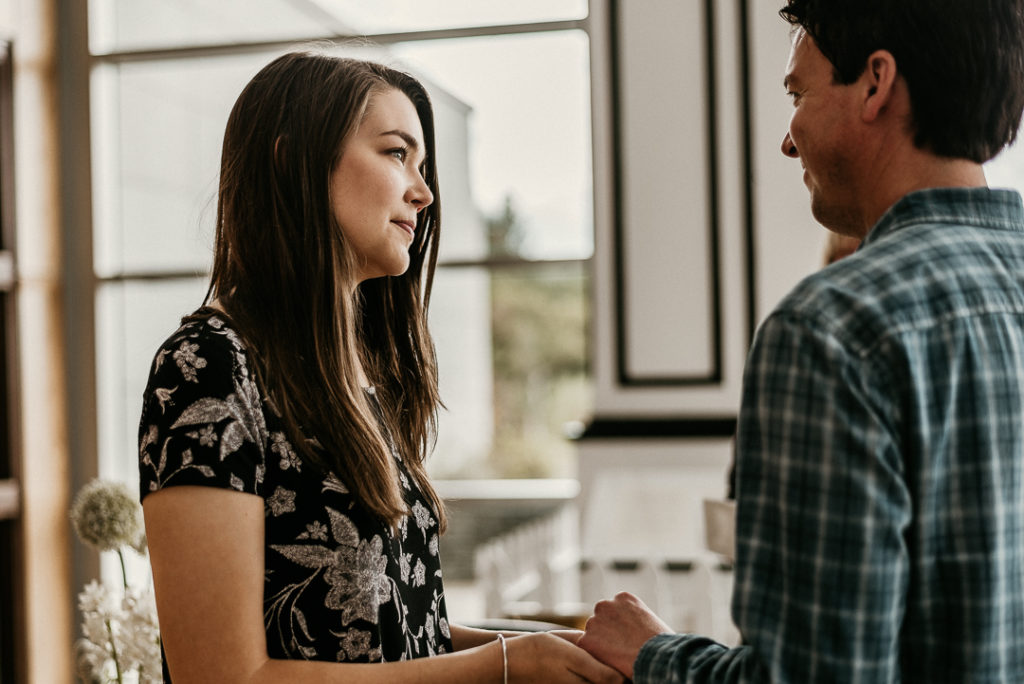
(504, 657)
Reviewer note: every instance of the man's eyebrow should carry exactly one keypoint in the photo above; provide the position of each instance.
(789, 80)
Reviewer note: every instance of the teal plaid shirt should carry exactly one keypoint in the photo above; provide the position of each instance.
(880, 464)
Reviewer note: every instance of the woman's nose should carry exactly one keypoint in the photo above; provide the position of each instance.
(420, 194)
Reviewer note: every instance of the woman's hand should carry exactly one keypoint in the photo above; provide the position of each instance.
(553, 659)
(570, 635)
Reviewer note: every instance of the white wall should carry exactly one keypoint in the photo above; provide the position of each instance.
(789, 242)
(654, 337)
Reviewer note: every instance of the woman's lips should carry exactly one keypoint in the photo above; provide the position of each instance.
(406, 226)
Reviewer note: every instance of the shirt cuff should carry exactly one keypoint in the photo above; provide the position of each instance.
(663, 658)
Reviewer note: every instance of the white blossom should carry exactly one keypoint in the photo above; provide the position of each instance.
(106, 515)
(140, 632)
(121, 635)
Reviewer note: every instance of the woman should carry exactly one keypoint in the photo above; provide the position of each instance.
(289, 517)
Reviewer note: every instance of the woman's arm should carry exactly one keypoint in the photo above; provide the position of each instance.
(206, 549)
(468, 637)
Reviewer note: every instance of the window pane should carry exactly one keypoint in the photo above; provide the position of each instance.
(393, 16)
(513, 369)
(124, 25)
(529, 127)
(132, 320)
(157, 131)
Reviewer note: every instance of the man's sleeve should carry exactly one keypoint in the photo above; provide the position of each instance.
(821, 563)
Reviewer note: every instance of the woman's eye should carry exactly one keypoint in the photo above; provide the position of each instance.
(399, 153)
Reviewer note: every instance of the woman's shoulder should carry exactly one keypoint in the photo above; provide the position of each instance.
(209, 327)
(202, 417)
(204, 359)
(203, 335)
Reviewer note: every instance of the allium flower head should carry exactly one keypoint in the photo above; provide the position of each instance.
(106, 515)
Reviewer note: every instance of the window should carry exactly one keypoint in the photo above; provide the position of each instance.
(510, 85)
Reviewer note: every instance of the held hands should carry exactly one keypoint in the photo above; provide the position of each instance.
(618, 629)
(551, 657)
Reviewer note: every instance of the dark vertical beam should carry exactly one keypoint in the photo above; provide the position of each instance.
(747, 114)
(12, 622)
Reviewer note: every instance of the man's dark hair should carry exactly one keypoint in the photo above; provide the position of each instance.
(962, 60)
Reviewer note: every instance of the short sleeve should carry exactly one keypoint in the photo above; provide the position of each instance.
(202, 420)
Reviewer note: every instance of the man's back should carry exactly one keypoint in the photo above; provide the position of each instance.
(881, 456)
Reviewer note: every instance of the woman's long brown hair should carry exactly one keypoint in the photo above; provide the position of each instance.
(284, 274)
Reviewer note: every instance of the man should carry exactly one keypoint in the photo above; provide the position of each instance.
(880, 446)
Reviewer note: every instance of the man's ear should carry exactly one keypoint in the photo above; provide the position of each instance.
(879, 84)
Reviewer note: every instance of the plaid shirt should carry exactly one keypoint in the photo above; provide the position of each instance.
(880, 464)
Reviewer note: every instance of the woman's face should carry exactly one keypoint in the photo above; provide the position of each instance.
(377, 189)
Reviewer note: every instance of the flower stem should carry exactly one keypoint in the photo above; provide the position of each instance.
(124, 571)
(113, 651)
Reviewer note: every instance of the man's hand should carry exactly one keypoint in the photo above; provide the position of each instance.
(618, 629)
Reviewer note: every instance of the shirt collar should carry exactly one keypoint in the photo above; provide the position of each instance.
(982, 207)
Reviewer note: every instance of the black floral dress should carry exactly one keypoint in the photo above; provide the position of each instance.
(339, 585)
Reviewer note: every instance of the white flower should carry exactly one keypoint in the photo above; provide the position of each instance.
(89, 660)
(121, 635)
(207, 436)
(126, 629)
(404, 566)
(101, 617)
(283, 448)
(281, 501)
(187, 360)
(140, 643)
(96, 598)
(315, 530)
(419, 574)
(423, 518)
(106, 515)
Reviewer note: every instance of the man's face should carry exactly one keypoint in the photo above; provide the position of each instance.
(823, 135)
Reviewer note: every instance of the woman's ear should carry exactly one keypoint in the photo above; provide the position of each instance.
(879, 81)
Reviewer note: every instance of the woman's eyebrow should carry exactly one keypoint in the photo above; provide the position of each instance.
(409, 140)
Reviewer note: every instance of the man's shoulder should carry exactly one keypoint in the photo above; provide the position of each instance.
(909, 278)
(863, 296)
(853, 281)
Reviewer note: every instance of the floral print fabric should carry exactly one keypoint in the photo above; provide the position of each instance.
(339, 585)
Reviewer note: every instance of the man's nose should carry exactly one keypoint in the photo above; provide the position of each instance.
(788, 148)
